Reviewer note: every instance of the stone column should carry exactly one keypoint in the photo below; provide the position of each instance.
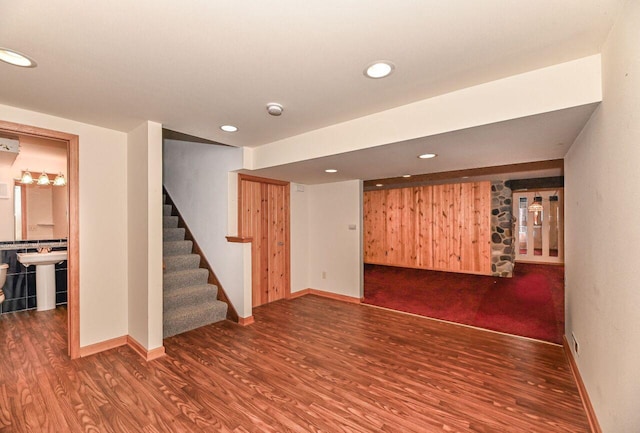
(502, 251)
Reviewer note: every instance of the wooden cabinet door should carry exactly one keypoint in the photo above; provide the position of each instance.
(264, 216)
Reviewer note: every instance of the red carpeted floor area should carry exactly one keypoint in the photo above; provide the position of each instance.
(530, 304)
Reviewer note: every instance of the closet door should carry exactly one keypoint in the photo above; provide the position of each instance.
(263, 215)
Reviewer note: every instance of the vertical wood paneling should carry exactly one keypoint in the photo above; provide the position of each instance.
(264, 216)
(375, 226)
(277, 267)
(443, 227)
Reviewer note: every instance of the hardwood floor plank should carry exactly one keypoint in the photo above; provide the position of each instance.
(306, 365)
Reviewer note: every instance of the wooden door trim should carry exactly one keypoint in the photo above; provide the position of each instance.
(73, 238)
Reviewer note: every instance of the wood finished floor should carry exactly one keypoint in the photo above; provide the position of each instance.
(306, 365)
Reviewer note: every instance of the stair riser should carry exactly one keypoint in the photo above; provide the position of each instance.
(176, 323)
(177, 248)
(176, 299)
(176, 280)
(173, 234)
(167, 208)
(181, 263)
(170, 222)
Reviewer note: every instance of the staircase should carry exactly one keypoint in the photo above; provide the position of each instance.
(189, 300)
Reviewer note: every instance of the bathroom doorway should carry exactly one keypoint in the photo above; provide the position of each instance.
(73, 269)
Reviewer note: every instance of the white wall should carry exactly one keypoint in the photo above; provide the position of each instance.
(103, 222)
(144, 197)
(603, 234)
(299, 235)
(196, 177)
(332, 247)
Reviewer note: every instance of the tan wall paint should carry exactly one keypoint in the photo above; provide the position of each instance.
(333, 247)
(103, 191)
(144, 197)
(602, 203)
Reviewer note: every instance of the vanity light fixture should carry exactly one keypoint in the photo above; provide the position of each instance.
(26, 177)
(59, 180)
(379, 69)
(44, 179)
(427, 156)
(16, 59)
(331, 170)
(229, 128)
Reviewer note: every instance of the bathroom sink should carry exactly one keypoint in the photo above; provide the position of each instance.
(45, 276)
(50, 258)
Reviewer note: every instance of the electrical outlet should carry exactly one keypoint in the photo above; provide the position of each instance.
(576, 346)
(324, 275)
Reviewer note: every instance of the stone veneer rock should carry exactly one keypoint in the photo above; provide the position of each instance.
(502, 250)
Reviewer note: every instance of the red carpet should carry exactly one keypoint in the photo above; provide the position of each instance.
(530, 304)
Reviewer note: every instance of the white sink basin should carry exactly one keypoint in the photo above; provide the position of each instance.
(50, 258)
(45, 276)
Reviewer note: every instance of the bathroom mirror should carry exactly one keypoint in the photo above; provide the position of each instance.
(30, 211)
(40, 211)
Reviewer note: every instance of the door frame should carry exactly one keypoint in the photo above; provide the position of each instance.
(73, 237)
(264, 180)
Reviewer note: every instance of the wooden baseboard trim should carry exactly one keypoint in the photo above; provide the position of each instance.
(147, 355)
(586, 402)
(335, 296)
(92, 349)
(299, 294)
(245, 321)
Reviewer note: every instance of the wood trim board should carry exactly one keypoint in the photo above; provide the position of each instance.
(582, 390)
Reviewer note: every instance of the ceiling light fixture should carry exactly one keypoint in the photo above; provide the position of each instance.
(274, 109)
(406, 175)
(16, 59)
(379, 185)
(229, 128)
(379, 69)
(536, 205)
(331, 170)
(427, 156)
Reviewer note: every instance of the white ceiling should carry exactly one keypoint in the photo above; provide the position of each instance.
(194, 65)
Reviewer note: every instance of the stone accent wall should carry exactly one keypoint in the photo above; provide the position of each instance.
(502, 248)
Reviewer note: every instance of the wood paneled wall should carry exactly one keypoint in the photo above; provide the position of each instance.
(443, 227)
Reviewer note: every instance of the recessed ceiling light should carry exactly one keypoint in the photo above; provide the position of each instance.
(331, 170)
(427, 155)
(379, 69)
(406, 175)
(229, 128)
(378, 184)
(17, 59)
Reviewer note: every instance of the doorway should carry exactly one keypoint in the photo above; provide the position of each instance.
(73, 242)
(539, 226)
(263, 215)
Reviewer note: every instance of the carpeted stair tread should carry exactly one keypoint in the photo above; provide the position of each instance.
(181, 262)
(169, 222)
(190, 317)
(176, 248)
(191, 295)
(173, 234)
(189, 277)
(167, 209)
